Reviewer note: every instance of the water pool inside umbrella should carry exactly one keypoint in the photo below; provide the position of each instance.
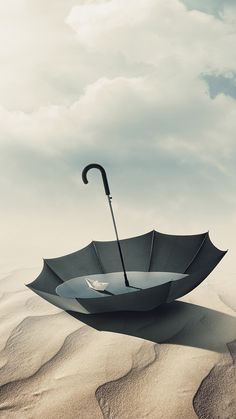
(79, 288)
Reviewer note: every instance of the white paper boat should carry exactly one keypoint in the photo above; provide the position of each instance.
(97, 285)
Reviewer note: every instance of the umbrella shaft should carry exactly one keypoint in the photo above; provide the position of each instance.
(118, 241)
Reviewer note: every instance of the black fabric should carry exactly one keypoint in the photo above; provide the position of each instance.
(136, 252)
(194, 255)
(206, 259)
(80, 263)
(46, 281)
(174, 253)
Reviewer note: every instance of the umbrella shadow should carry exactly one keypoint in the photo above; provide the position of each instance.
(177, 323)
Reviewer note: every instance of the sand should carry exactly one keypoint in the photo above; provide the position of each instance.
(174, 362)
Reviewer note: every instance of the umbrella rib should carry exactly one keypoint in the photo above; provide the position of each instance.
(196, 253)
(98, 258)
(151, 250)
(55, 273)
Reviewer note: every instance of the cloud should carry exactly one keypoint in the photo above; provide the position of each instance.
(152, 114)
(123, 84)
(166, 34)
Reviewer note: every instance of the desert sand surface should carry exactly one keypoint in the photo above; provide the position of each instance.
(174, 362)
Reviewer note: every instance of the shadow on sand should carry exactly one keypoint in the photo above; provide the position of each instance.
(175, 323)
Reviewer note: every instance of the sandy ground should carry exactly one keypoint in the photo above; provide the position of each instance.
(175, 362)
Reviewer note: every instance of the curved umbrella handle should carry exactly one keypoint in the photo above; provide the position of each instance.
(103, 173)
(107, 192)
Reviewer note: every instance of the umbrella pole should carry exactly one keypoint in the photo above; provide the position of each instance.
(108, 194)
(118, 241)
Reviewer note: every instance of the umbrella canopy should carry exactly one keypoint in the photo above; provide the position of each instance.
(138, 273)
(163, 266)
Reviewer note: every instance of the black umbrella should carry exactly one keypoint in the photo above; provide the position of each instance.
(138, 273)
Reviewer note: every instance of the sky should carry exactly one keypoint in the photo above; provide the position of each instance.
(147, 88)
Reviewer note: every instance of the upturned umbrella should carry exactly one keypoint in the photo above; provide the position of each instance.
(138, 273)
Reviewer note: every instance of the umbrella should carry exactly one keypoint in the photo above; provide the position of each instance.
(138, 273)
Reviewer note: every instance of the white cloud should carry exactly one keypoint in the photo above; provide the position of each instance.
(119, 82)
(147, 112)
(161, 33)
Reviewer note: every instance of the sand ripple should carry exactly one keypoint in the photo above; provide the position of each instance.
(54, 365)
(215, 397)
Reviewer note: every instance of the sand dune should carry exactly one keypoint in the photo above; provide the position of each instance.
(174, 362)
(215, 397)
